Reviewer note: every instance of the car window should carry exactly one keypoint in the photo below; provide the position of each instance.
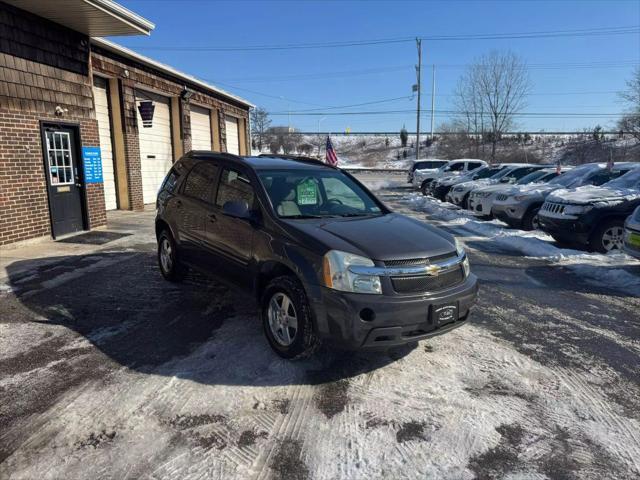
(170, 181)
(518, 173)
(531, 177)
(473, 165)
(456, 167)
(234, 186)
(200, 182)
(430, 164)
(630, 179)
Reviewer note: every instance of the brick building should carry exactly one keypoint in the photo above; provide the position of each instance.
(72, 140)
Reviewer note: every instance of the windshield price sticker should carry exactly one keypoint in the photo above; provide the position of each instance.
(307, 193)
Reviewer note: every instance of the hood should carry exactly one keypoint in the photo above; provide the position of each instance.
(386, 237)
(501, 187)
(591, 194)
(477, 183)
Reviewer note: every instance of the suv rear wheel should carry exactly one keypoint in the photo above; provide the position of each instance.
(425, 187)
(286, 318)
(608, 236)
(170, 265)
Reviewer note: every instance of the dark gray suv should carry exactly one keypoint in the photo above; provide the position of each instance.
(326, 260)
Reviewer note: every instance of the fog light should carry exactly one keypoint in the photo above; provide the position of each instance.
(367, 314)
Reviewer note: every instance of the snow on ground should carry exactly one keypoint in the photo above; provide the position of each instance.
(597, 268)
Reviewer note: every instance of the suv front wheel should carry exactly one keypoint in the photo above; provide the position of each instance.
(286, 317)
(608, 236)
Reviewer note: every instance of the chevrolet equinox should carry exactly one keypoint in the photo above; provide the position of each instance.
(325, 259)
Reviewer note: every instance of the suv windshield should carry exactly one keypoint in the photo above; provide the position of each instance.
(628, 180)
(316, 194)
(532, 177)
(429, 164)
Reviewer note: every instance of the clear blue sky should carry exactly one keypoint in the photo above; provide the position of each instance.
(302, 79)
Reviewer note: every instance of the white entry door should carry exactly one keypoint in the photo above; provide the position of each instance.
(156, 153)
(200, 128)
(231, 128)
(106, 146)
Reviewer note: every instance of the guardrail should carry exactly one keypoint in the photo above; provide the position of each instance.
(374, 170)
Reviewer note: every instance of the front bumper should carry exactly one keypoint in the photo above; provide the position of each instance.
(568, 230)
(441, 192)
(630, 248)
(481, 205)
(456, 197)
(510, 213)
(391, 320)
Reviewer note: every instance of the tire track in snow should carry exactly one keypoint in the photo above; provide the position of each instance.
(628, 439)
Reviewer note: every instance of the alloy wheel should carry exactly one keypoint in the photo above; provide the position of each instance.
(166, 255)
(612, 238)
(283, 319)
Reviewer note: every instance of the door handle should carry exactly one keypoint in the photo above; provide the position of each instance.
(212, 217)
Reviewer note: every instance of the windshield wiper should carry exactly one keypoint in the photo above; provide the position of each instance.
(305, 216)
(357, 214)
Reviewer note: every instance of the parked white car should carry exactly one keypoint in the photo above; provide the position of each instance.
(421, 178)
(481, 199)
(431, 164)
(459, 195)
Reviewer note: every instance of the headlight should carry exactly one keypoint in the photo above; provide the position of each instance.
(461, 253)
(483, 194)
(520, 198)
(577, 209)
(336, 273)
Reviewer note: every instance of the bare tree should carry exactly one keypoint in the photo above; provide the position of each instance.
(260, 123)
(630, 121)
(489, 96)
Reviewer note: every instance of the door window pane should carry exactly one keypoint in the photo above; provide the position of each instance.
(234, 186)
(199, 183)
(59, 158)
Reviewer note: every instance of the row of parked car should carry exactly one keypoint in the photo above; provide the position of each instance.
(595, 205)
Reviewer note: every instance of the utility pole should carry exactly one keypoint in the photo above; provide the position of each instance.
(433, 97)
(418, 72)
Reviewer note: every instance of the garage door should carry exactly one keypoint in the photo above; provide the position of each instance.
(200, 129)
(106, 149)
(156, 155)
(231, 128)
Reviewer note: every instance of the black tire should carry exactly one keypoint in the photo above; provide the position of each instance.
(424, 188)
(174, 270)
(465, 202)
(601, 239)
(305, 341)
(529, 221)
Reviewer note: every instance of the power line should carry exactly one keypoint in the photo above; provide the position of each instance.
(457, 112)
(587, 32)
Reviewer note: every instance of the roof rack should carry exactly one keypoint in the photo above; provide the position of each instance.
(297, 158)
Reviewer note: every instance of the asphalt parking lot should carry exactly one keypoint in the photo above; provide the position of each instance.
(108, 371)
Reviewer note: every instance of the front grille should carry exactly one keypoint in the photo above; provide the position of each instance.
(411, 262)
(426, 283)
(553, 207)
(502, 197)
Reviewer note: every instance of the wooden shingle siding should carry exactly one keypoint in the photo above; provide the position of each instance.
(27, 36)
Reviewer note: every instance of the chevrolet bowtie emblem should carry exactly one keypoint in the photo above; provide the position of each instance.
(433, 270)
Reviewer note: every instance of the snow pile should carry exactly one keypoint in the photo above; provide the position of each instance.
(594, 267)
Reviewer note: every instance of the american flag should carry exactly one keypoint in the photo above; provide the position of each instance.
(558, 167)
(331, 158)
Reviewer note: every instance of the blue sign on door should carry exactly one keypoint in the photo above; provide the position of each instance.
(92, 160)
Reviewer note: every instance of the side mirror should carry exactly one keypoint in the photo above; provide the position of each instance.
(237, 209)
(505, 180)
